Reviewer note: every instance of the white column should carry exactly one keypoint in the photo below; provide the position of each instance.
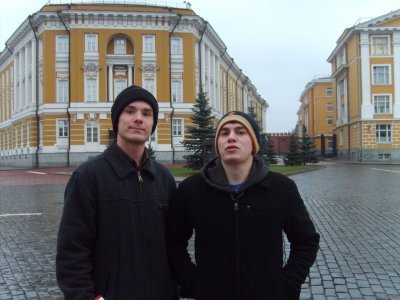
(16, 79)
(130, 75)
(21, 77)
(346, 102)
(338, 105)
(367, 109)
(110, 83)
(34, 79)
(396, 72)
(26, 86)
(203, 58)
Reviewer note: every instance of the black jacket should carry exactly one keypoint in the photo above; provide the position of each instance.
(112, 234)
(238, 236)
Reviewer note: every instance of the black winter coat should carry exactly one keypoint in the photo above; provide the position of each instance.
(238, 236)
(112, 234)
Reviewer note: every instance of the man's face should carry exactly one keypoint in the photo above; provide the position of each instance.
(234, 143)
(135, 123)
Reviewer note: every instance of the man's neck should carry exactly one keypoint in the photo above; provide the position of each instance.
(133, 151)
(237, 173)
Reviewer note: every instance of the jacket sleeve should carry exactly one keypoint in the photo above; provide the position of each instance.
(304, 242)
(76, 239)
(179, 231)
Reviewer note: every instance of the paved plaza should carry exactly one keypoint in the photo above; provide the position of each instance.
(356, 209)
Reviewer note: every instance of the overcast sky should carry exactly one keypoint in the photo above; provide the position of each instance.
(280, 45)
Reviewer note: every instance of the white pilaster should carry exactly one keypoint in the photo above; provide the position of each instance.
(26, 85)
(396, 72)
(130, 75)
(16, 79)
(202, 67)
(21, 79)
(110, 83)
(367, 109)
(33, 81)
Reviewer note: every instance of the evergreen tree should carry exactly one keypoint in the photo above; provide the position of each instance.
(201, 131)
(293, 157)
(269, 150)
(151, 152)
(307, 148)
(266, 152)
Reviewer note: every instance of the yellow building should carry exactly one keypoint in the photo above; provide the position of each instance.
(64, 65)
(366, 77)
(317, 113)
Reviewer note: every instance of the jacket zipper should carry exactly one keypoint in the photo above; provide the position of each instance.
(140, 180)
(237, 252)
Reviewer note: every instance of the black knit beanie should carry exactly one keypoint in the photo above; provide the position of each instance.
(248, 122)
(129, 95)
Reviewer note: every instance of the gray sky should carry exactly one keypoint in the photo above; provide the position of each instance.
(281, 44)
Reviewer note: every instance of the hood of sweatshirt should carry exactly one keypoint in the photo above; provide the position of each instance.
(214, 174)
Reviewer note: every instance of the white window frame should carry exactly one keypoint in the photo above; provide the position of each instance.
(386, 103)
(329, 92)
(387, 76)
(119, 85)
(62, 129)
(385, 47)
(120, 45)
(91, 42)
(176, 46)
(177, 127)
(150, 85)
(92, 131)
(329, 106)
(62, 90)
(91, 89)
(329, 120)
(383, 134)
(149, 43)
(62, 44)
(177, 90)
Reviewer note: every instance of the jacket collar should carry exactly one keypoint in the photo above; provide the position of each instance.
(123, 166)
(214, 174)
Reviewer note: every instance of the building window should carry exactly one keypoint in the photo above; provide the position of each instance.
(92, 131)
(382, 104)
(62, 44)
(381, 74)
(120, 45)
(62, 128)
(91, 89)
(177, 127)
(177, 90)
(90, 42)
(329, 92)
(119, 86)
(384, 156)
(330, 120)
(62, 90)
(148, 84)
(149, 43)
(380, 45)
(383, 133)
(176, 45)
(329, 106)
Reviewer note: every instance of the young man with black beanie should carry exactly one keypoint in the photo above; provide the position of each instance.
(238, 210)
(111, 241)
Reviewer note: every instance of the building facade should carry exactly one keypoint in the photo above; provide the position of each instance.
(317, 113)
(366, 78)
(62, 68)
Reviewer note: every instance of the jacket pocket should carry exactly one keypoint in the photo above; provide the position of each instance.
(265, 209)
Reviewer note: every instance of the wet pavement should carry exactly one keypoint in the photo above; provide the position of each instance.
(356, 209)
